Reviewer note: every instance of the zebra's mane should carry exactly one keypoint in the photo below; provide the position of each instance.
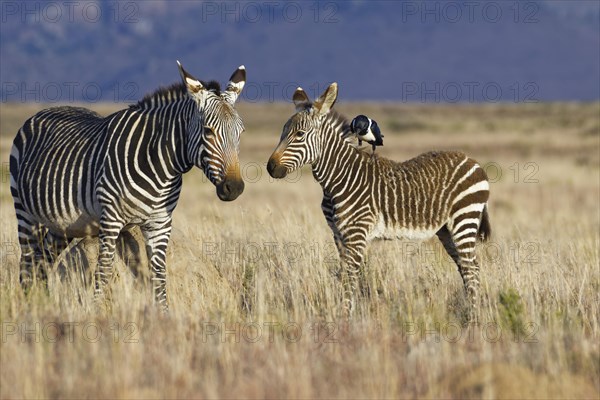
(175, 91)
(336, 119)
(340, 120)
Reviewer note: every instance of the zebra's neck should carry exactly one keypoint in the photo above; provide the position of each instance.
(167, 116)
(338, 159)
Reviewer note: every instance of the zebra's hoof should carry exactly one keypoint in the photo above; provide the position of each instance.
(29, 279)
(471, 317)
(102, 304)
(347, 308)
(26, 280)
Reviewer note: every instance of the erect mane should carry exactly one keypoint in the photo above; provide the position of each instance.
(340, 119)
(174, 91)
(336, 118)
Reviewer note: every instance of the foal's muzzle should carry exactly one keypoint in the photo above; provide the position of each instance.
(276, 170)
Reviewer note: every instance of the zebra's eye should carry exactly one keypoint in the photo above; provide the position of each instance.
(300, 134)
(208, 131)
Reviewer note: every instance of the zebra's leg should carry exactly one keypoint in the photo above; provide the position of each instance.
(351, 243)
(108, 234)
(446, 238)
(351, 255)
(156, 234)
(328, 212)
(460, 245)
(54, 245)
(32, 263)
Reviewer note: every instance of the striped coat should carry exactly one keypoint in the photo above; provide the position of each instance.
(366, 198)
(75, 173)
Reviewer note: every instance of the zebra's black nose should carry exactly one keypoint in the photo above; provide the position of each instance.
(230, 189)
(275, 170)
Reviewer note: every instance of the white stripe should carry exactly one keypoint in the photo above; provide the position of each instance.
(465, 221)
(465, 240)
(468, 174)
(478, 187)
(465, 232)
(470, 208)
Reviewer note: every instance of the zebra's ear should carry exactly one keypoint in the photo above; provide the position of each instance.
(236, 84)
(326, 101)
(193, 85)
(300, 99)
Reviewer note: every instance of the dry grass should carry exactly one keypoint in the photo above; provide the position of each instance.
(248, 277)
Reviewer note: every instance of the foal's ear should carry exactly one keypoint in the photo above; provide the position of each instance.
(300, 99)
(235, 85)
(193, 85)
(326, 101)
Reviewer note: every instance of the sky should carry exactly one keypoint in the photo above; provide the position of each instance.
(404, 51)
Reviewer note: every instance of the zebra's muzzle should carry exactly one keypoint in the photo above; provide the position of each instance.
(230, 189)
(276, 170)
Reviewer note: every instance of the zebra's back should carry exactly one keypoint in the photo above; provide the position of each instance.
(53, 165)
(419, 196)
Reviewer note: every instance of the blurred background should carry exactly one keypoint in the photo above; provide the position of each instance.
(514, 84)
(409, 51)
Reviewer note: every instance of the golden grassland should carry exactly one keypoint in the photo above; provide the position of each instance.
(254, 300)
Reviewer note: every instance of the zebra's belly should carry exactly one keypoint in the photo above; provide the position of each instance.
(73, 226)
(381, 230)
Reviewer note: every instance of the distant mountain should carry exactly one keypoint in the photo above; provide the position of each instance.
(432, 51)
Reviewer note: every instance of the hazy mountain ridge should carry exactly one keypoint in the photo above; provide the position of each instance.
(407, 51)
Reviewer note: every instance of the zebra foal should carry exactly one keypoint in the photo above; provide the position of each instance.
(74, 173)
(364, 198)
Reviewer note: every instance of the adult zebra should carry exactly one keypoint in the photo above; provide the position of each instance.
(364, 198)
(74, 173)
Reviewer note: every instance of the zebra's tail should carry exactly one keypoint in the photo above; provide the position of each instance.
(485, 229)
(14, 163)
